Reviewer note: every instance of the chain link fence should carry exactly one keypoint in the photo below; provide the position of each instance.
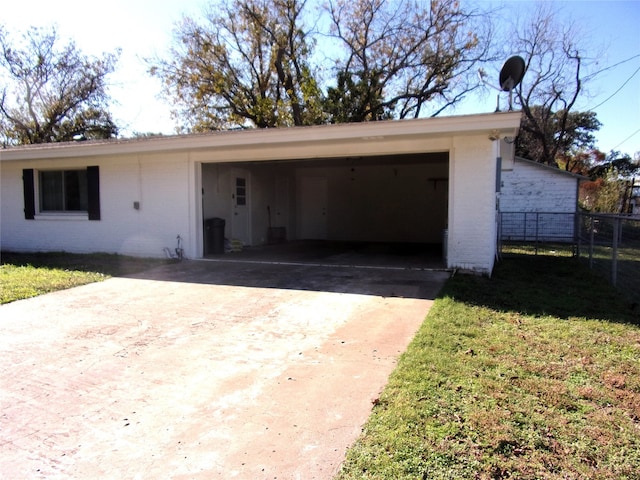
(535, 231)
(610, 244)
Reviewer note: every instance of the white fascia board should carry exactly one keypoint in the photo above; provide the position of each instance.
(504, 124)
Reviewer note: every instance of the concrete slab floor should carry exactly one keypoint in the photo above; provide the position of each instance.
(323, 252)
(202, 370)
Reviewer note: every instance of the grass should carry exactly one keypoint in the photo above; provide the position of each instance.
(628, 267)
(28, 275)
(532, 374)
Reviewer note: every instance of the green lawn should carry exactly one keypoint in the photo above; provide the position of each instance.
(628, 267)
(533, 374)
(28, 275)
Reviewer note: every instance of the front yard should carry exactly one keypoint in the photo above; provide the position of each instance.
(534, 373)
(24, 275)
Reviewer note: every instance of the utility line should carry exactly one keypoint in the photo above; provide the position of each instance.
(634, 133)
(616, 92)
(610, 67)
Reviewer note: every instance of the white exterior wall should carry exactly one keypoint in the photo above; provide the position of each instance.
(532, 188)
(161, 183)
(165, 176)
(472, 204)
(537, 203)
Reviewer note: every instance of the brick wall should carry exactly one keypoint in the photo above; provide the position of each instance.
(160, 183)
(537, 203)
(472, 209)
(168, 188)
(528, 187)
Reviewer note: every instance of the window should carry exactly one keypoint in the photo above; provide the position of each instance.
(241, 191)
(63, 191)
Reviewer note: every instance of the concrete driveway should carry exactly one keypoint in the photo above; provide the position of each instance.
(203, 370)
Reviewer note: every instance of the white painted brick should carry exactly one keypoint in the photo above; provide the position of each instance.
(472, 208)
(160, 183)
(533, 188)
(168, 187)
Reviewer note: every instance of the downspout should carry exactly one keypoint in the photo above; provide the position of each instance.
(494, 136)
(498, 216)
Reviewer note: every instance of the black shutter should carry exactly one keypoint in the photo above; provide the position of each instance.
(29, 194)
(93, 187)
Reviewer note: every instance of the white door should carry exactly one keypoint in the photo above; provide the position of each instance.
(313, 208)
(240, 206)
(281, 212)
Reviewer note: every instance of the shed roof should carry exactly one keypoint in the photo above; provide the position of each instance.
(549, 168)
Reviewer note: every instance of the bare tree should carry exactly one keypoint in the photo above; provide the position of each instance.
(52, 94)
(401, 56)
(246, 65)
(553, 82)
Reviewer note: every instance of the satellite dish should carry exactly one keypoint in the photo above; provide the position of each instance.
(510, 76)
(511, 73)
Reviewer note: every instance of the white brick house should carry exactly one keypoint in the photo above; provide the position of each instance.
(537, 202)
(395, 181)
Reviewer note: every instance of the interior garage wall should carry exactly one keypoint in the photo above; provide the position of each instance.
(265, 180)
(216, 191)
(391, 199)
(271, 206)
(394, 202)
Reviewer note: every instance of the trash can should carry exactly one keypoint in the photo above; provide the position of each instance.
(214, 236)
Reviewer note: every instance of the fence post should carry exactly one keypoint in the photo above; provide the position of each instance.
(577, 233)
(614, 254)
(536, 231)
(592, 229)
(499, 249)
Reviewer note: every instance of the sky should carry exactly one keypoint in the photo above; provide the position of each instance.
(143, 29)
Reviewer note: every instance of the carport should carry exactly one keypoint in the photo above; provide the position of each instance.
(391, 199)
(428, 182)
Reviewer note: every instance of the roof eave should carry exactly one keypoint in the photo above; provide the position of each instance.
(506, 123)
